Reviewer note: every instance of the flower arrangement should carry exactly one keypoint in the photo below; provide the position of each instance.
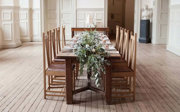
(90, 52)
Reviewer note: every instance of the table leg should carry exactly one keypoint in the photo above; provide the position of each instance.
(108, 85)
(69, 85)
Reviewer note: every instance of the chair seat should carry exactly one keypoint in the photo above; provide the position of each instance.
(120, 67)
(122, 74)
(56, 70)
(121, 70)
(59, 61)
(118, 60)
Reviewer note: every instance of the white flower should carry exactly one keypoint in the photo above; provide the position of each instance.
(87, 46)
(93, 50)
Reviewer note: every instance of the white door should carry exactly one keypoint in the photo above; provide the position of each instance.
(160, 22)
(68, 16)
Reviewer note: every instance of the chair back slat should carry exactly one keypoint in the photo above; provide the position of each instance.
(50, 45)
(132, 52)
(53, 42)
(125, 45)
(121, 39)
(58, 39)
(63, 37)
(44, 52)
(46, 49)
(117, 37)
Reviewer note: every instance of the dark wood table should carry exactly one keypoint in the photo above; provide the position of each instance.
(72, 58)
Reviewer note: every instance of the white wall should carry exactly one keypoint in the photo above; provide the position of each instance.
(90, 3)
(36, 4)
(175, 2)
(147, 2)
(174, 25)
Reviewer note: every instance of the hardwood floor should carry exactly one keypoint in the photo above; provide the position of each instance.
(21, 84)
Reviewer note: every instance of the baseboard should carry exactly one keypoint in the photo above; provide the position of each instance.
(175, 50)
(11, 45)
(26, 39)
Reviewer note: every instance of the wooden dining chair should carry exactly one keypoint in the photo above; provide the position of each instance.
(122, 63)
(56, 60)
(122, 47)
(53, 48)
(52, 70)
(120, 88)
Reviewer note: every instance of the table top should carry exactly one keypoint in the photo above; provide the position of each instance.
(68, 53)
(72, 55)
(85, 29)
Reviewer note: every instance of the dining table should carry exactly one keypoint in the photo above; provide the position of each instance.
(71, 58)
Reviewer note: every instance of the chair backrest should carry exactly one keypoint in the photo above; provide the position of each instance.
(63, 37)
(121, 39)
(125, 45)
(117, 37)
(132, 51)
(49, 34)
(46, 51)
(73, 30)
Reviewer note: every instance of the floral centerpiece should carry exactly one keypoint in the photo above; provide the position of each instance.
(90, 52)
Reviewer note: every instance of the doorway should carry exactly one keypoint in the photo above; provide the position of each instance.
(120, 12)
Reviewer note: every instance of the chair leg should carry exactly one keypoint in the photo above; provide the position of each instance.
(74, 80)
(134, 88)
(44, 86)
(130, 83)
(49, 82)
(77, 70)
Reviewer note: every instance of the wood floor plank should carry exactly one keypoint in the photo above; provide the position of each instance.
(82, 107)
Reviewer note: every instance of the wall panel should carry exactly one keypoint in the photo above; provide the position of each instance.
(25, 22)
(174, 33)
(36, 25)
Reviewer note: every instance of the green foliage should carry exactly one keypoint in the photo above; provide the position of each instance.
(90, 52)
